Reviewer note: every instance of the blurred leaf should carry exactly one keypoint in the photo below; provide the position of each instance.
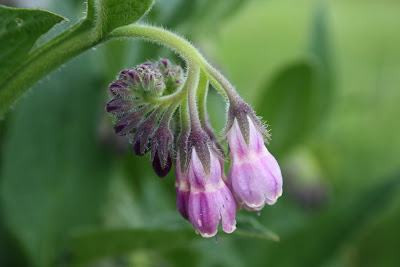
(112, 14)
(318, 241)
(19, 30)
(11, 253)
(97, 244)
(183, 257)
(213, 12)
(384, 231)
(54, 175)
(288, 105)
(249, 227)
(320, 50)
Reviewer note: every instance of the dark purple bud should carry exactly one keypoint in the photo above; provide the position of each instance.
(161, 170)
(143, 133)
(122, 74)
(117, 106)
(116, 85)
(149, 64)
(162, 146)
(134, 79)
(137, 149)
(121, 92)
(130, 121)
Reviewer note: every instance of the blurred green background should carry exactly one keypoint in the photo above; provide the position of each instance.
(325, 75)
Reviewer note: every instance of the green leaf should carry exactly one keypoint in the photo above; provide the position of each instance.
(320, 239)
(102, 243)
(320, 50)
(102, 17)
(112, 14)
(289, 106)
(384, 230)
(54, 175)
(19, 30)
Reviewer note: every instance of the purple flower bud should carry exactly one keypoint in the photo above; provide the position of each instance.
(210, 200)
(161, 169)
(118, 106)
(165, 63)
(127, 123)
(161, 150)
(254, 177)
(173, 74)
(142, 135)
(144, 78)
(122, 73)
(134, 78)
(138, 150)
(119, 90)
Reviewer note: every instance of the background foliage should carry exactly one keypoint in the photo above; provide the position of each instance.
(325, 75)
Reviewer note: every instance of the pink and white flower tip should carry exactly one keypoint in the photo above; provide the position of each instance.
(255, 177)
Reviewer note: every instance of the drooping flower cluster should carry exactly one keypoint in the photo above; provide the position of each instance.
(137, 118)
(145, 102)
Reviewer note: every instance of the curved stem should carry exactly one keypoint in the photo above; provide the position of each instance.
(202, 90)
(191, 87)
(182, 47)
(185, 117)
(168, 99)
(81, 37)
(161, 36)
(220, 83)
(217, 86)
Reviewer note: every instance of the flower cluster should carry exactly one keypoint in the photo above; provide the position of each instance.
(145, 101)
(145, 124)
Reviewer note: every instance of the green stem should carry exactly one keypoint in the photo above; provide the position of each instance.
(161, 36)
(185, 121)
(202, 90)
(181, 46)
(169, 112)
(217, 86)
(168, 99)
(219, 81)
(191, 87)
(82, 36)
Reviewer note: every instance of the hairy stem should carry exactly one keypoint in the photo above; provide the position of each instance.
(185, 117)
(191, 87)
(81, 37)
(202, 90)
(182, 47)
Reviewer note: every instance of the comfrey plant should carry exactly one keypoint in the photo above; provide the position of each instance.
(162, 110)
